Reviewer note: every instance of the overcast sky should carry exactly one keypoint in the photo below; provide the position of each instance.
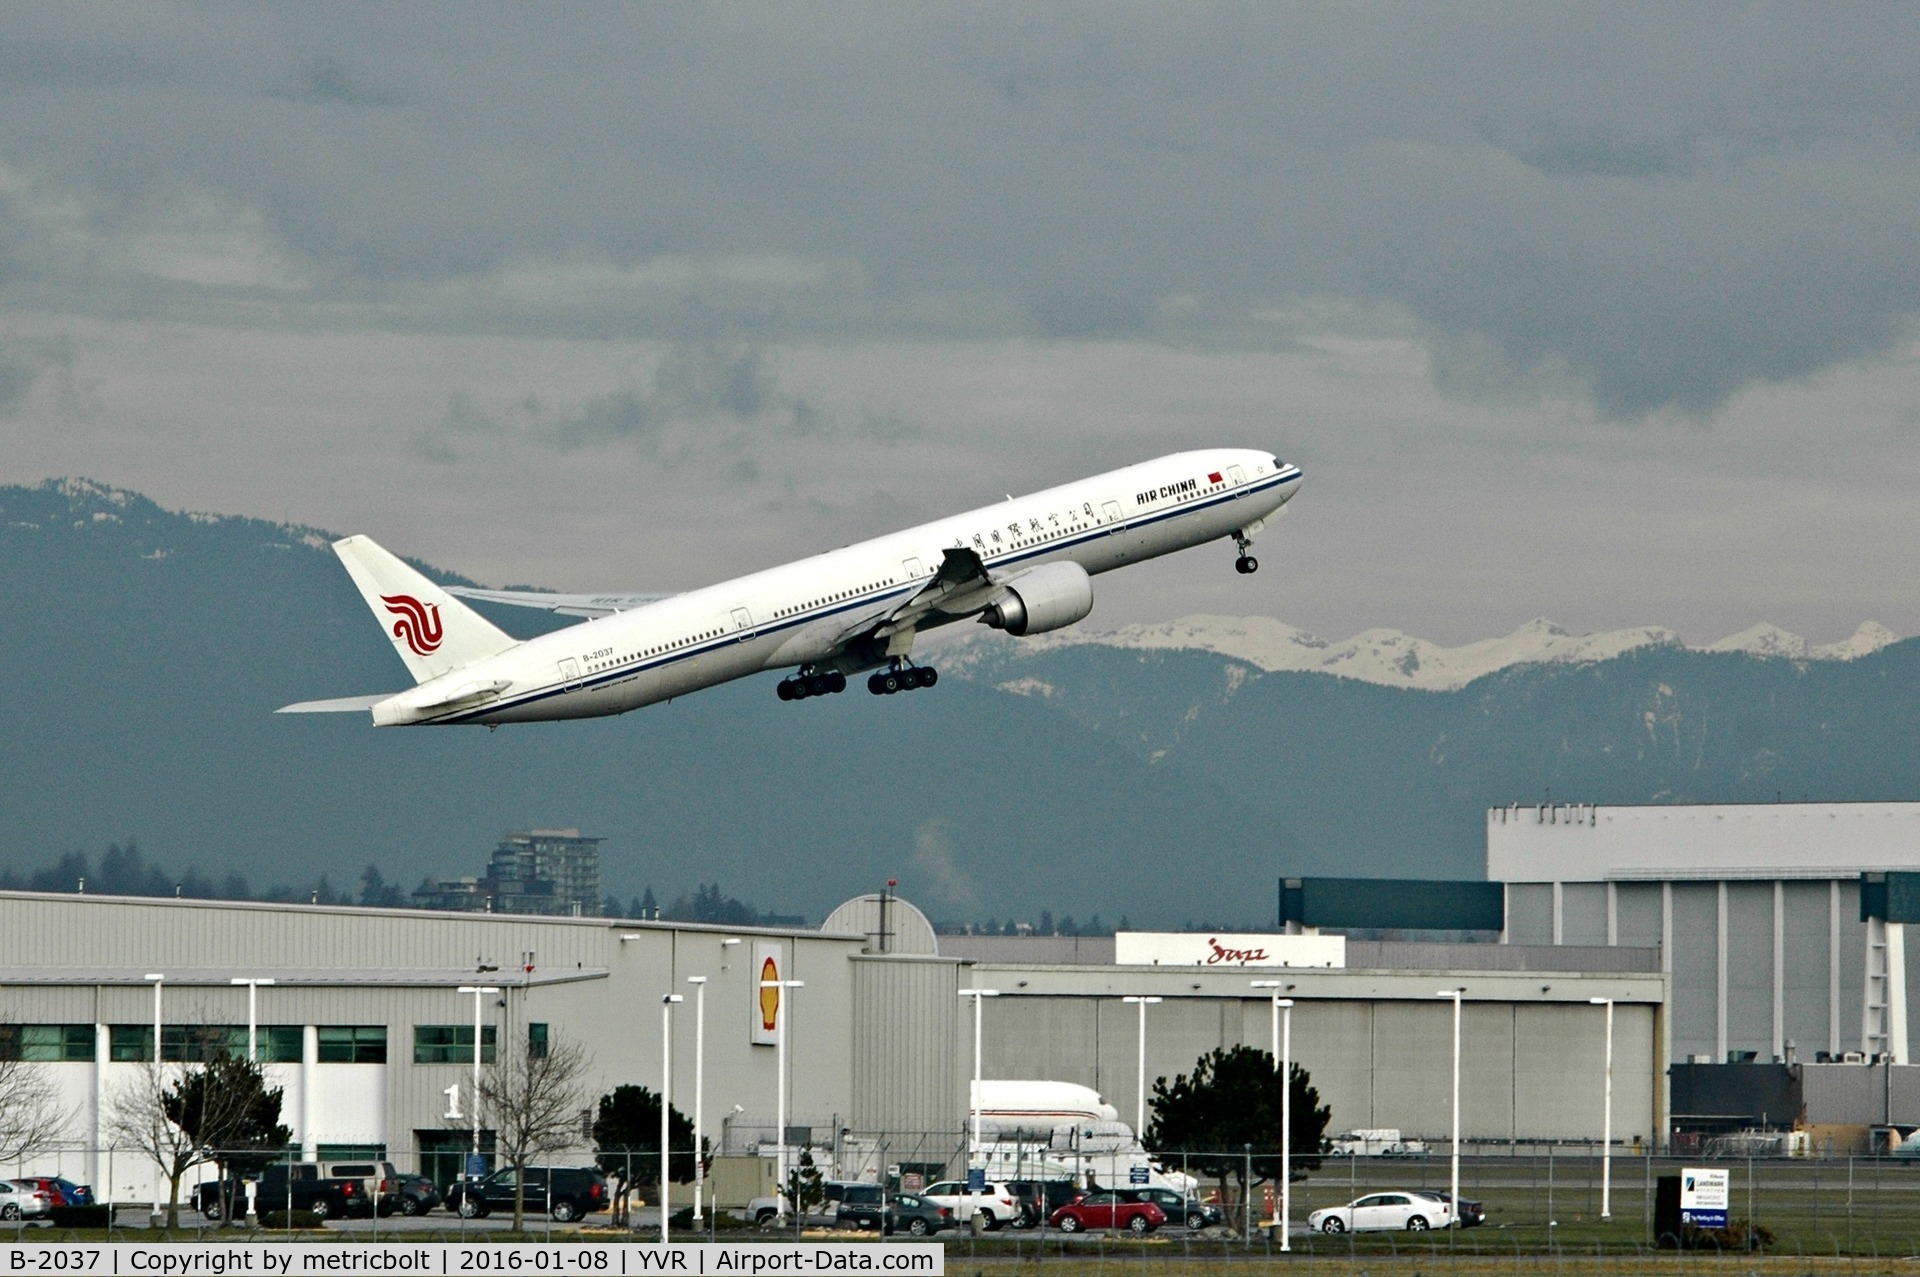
(1603, 313)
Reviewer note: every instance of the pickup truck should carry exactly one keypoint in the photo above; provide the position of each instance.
(327, 1189)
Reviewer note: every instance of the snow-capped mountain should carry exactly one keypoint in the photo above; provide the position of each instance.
(1394, 659)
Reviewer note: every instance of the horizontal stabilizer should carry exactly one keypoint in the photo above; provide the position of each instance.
(343, 705)
(589, 605)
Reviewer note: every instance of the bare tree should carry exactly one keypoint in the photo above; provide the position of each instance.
(32, 1119)
(536, 1098)
(137, 1119)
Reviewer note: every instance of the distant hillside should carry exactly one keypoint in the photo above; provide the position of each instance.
(145, 651)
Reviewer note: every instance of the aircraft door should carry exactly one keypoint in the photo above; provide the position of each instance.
(913, 569)
(1236, 476)
(570, 671)
(1110, 515)
(742, 622)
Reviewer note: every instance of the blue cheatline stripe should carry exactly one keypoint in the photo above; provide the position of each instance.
(787, 623)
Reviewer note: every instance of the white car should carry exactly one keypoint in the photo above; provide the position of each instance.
(23, 1201)
(1378, 1212)
(997, 1205)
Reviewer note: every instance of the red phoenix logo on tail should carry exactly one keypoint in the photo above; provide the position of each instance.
(419, 623)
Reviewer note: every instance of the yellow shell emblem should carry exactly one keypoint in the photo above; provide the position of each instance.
(769, 996)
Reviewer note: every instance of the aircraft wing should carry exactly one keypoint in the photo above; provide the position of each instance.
(589, 605)
(962, 585)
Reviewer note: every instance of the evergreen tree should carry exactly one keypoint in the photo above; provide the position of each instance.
(1232, 1100)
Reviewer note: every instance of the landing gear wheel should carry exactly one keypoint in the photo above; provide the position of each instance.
(929, 676)
(876, 684)
(785, 690)
(836, 682)
(891, 682)
(817, 685)
(1246, 565)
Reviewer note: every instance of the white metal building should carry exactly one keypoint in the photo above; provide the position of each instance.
(1755, 909)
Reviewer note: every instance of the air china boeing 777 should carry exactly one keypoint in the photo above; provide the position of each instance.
(1024, 566)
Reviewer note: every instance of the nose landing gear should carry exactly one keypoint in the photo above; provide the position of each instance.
(902, 678)
(811, 683)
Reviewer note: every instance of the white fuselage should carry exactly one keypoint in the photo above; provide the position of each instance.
(802, 612)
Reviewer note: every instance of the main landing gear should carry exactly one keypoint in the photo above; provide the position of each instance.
(1246, 564)
(801, 686)
(902, 678)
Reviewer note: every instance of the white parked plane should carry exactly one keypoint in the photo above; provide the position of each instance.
(1024, 566)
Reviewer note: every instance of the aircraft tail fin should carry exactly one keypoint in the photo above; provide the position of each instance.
(433, 632)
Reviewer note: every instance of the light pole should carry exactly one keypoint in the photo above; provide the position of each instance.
(1140, 1069)
(780, 1087)
(253, 1013)
(480, 993)
(1606, 1118)
(666, 1098)
(158, 979)
(1453, 1206)
(1283, 1062)
(699, 983)
(976, 995)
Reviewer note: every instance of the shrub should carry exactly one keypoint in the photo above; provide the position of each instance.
(290, 1219)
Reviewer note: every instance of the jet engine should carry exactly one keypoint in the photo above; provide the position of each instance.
(1049, 597)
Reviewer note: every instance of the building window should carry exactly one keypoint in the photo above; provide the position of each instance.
(536, 1041)
(38, 1043)
(450, 1044)
(351, 1153)
(197, 1043)
(356, 1043)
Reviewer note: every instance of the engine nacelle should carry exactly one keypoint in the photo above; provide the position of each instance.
(1049, 597)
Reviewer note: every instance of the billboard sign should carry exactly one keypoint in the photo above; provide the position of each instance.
(769, 1005)
(1703, 1197)
(1223, 952)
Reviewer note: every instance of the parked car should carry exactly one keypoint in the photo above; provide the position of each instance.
(1472, 1214)
(1377, 1212)
(61, 1192)
(996, 1205)
(415, 1194)
(1191, 1211)
(1039, 1198)
(206, 1198)
(566, 1192)
(763, 1210)
(23, 1201)
(915, 1216)
(860, 1206)
(1106, 1209)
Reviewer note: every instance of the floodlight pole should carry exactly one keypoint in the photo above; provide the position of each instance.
(1453, 1207)
(158, 979)
(1140, 1082)
(780, 1086)
(976, 995)
(666, 1101)
(699, 983)
(253, 1013)
(1606, 1118)
(480, 993)
(1283, 1064)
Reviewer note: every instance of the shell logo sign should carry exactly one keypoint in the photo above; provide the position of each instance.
(769, 997)
(769, 963)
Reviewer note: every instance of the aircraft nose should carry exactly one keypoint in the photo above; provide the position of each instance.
(1291, 475)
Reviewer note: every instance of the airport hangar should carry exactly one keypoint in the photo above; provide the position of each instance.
(365, 1027)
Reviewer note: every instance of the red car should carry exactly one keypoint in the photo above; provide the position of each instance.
(1097, 1210)
(60, 1192)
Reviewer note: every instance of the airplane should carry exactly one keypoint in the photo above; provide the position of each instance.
(1024, 566)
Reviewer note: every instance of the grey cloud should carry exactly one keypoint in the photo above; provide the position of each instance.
(1661, 204)
(16, 379)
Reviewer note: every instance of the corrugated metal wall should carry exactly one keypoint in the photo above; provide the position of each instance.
(910, 1047)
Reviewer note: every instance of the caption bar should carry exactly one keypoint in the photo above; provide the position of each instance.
(465, 1259)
